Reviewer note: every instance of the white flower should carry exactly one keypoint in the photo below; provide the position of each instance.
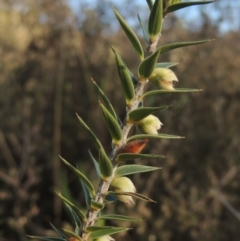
(163, 78)
(105, 238)
(149, 125)
(123, 184)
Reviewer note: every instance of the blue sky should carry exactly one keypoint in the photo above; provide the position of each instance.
(192, 17)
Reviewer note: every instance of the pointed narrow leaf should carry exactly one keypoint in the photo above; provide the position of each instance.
(144, 29)
(165, 65)
(178, 6)
(169, 47)
(105, 165)
(150, 4)
(95, 164)
(76, 219)
(59, 233)
(47, 238)
(92, 135)
(107, 231)
(155, 20)
(158, 136)
(69, 203)
(134, 194)
(129, 156)
(142, 197)
(147, 66)
(96, 228)
(106, 100)
(112, 124)
(71, 233)
(119, 217)
(130, 34)
(134, 79)
(134, 168)
(126, 79)
(88, 184)
(87, 194)
(156, 92)
(140, 113)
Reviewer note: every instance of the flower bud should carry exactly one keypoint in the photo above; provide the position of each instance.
(149, 125)
(105, 238)
(134, 147)
(163, 78)
(123, 184)
(73, 239)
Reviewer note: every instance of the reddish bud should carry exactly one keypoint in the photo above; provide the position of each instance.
(135, 146)
(73, 239)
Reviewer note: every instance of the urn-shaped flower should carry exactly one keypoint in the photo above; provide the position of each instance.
(163, 78)
(149, 125)
(123, 184)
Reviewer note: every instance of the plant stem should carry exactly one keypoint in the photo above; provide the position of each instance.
(103, 186)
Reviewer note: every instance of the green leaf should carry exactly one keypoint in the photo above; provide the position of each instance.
(112, 124)
(105, 165)
(96, 205)
(59, 233)
(47, 238)
(156, 92)
(107, 231)
(119, 217)
(96, 228)
(144, 29)
(134, 168)
(158, 136)
(95, 164)
(130, 156)
(177, 6)
(92, 135)
(150, 4)
(73, 234)
(134, 194)
(106, 100)
(126, 79)
(88, 184)
(147, 66)
(140, 113)
(131, 35)
(87, 194)
(165, 65)
(169, 47)
(155, 20)
(69, 203)
(77, 221)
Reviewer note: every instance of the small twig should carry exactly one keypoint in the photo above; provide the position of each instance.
(8, 180)
(6, 152)
(230, 208)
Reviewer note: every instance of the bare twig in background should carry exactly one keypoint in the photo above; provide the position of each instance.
(7, 152)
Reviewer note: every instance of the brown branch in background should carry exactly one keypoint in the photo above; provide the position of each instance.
(226, 204)
(26, 135)
(6, 152)
(216, 193)
(8, 179)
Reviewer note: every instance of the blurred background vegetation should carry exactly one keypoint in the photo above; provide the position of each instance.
(49, 51)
